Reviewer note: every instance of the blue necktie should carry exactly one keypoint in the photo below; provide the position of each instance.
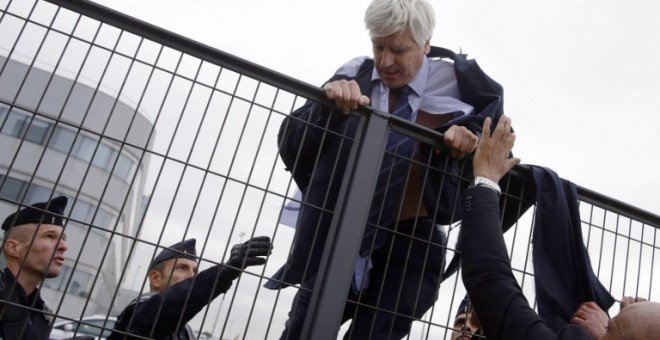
(401, 108)
(392, 174)
(400, 148)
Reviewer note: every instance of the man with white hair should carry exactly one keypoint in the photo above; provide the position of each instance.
(403, 249)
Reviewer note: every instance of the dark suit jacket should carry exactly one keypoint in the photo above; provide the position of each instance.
(502, 308)
(315, 142)
(559, 253)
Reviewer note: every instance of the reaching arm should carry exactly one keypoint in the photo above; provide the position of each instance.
(502, 308)
(171, 309)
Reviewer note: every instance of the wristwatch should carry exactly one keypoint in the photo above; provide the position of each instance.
(483, 181)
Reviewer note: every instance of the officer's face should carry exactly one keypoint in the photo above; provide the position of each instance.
(397, 58)
(42, 257)
(465, 326)
(174, 271)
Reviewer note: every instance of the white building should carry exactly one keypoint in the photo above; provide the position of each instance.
(61, 137)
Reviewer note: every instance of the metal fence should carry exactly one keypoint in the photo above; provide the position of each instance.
(156, 138)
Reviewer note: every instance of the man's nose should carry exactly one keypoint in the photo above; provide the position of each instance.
(471, 327)
(63, 246)
(386, 59)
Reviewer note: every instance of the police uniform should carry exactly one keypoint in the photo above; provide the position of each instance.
(22, 315)
(164, 315)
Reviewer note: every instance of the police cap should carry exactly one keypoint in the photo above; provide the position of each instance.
(45, 212)
(184, 249)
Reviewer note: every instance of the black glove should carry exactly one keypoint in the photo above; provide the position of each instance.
(247, 254)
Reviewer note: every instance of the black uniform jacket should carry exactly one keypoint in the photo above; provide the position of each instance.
(165, 315)
(17, 321)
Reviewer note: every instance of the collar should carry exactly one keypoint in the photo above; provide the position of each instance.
(418, 83)
(34, 299)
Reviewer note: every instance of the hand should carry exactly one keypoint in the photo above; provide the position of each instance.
(248, 253)
(491, 160)
(346, 94)
(628, 300)
(461, 141)
(593, 319)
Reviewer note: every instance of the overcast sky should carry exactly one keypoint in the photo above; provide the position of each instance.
(580, 77)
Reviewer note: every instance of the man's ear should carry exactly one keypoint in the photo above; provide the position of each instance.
(427, 47)
(12, 248)
(155, 279)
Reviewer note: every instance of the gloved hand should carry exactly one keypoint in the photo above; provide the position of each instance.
(248, 254)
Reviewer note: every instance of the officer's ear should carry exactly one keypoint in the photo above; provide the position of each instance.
(155, 279)
(12, 248)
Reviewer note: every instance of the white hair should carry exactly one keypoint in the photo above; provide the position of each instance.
(385, 17)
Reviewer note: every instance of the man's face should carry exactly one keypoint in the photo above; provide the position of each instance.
(45, 257)
(636, 321)
(465, 324)
(397, 58)
(172, 271)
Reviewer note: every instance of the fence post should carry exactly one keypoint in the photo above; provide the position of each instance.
(335, 272)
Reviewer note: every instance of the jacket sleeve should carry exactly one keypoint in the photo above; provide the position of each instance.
(171, 309)
(302, 135)
(503, 310)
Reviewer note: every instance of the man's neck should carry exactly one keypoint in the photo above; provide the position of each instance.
(28, 281)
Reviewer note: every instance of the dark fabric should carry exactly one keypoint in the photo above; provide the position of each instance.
(404, 279)
(314, 143)
(559, 253)
(503, 310)
(518, 195)
(45, 212)
(164, 315)
(184, 249)
(18, 322)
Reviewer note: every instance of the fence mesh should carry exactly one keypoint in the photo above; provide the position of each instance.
(154, 140)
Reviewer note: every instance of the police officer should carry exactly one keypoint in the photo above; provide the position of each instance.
(466, 323)
(34, 246)
(178, 293)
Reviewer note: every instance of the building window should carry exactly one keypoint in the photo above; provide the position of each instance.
(77, 286)
(62, 139)
(3, 113)
(79, 282)
(81, 211)
(12, 188)
(84, 148)
(104, 157)
(26, 127)
(14, 124)
(36, 130)
(123, 167)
